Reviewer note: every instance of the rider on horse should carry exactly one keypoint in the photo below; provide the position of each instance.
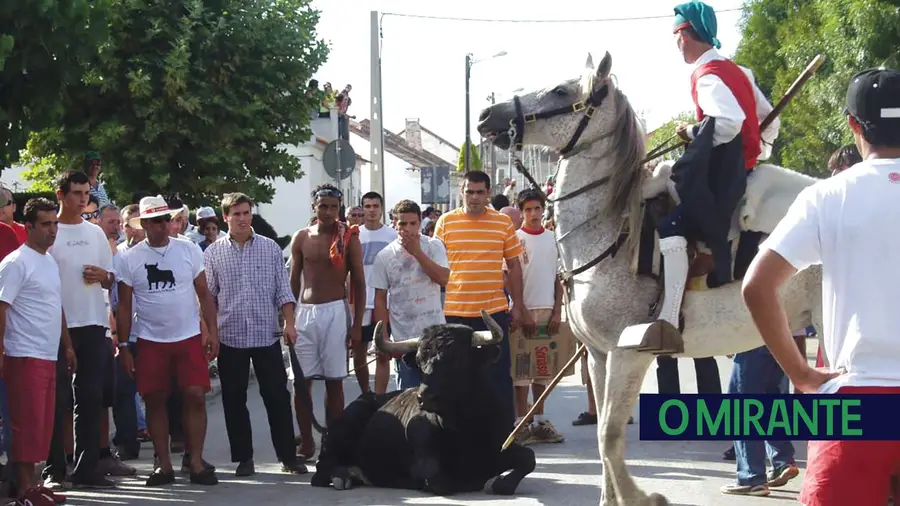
(724, 146)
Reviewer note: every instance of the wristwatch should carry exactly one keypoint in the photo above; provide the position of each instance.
(122, 345)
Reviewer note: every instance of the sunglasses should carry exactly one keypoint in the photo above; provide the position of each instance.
(161, 219)
(91, 215)
(327, 192)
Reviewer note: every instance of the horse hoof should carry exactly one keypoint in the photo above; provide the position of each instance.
(658, 500)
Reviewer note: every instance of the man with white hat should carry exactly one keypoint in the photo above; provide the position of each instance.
(165, 276)
(204, 216)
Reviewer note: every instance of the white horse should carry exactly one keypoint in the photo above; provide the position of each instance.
(600, 187)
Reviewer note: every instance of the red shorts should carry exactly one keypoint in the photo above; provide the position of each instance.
(31, 394)
(843, 473)
(157, 363)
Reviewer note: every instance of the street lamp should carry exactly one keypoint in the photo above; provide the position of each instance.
(469, 62)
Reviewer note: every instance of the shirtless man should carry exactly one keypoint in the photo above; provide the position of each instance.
(321, 257)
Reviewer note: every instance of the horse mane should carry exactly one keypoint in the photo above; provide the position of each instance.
(629, 149)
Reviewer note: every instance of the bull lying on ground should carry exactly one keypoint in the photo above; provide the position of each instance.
(444, 437)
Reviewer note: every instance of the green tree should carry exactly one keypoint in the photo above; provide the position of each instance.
(43, 48)
(852, 34)
(474, 159)
(666, 131)
(199, 97)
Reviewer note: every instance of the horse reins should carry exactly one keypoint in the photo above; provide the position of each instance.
(516, 133)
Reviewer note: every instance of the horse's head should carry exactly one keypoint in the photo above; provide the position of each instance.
(562, 116)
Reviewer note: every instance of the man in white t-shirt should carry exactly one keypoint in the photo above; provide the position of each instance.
(82, 252)
(374, 236)
(31, 316)
(850, 225)
(410, 271)
(542, 295)
(163, 277)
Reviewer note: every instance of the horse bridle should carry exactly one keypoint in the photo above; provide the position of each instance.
(517, 124)
(516, 133)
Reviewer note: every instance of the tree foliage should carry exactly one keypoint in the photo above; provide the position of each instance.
(43, 48)
(199, 97)
(666, 131)
(474, 159)
(780, 37)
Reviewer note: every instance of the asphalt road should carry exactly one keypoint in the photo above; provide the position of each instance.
(568, 473)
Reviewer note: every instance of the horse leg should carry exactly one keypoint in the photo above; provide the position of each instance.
(625, 374)
(597, 371)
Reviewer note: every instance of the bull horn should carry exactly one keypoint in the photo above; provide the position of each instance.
(391, 348)
(488, 337)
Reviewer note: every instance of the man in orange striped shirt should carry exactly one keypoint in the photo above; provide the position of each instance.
(478, 239)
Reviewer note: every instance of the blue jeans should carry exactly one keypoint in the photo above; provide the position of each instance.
(139, 408)
(757, 372)
(407, 377)
(124, 409)
(500, 371)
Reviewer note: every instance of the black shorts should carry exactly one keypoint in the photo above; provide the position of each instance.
(368, 332)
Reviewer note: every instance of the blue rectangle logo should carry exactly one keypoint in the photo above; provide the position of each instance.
(692, 417)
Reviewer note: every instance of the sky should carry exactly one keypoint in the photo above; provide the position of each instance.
(423, 60)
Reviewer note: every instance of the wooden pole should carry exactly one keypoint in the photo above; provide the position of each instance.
(512, 435)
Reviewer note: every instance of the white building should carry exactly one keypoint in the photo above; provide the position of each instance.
(291, 206)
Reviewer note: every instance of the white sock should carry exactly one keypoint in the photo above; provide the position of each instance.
(538, 418)
(519, 419)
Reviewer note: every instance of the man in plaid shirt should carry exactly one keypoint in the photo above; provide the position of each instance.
(246, 276)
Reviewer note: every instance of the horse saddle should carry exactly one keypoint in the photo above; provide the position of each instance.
(770, 192)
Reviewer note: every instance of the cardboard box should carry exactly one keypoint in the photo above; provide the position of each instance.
(542, 356)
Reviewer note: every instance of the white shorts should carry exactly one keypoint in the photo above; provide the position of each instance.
(322, 331)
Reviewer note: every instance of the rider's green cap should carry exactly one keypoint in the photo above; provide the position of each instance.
(91, 156)
(700, 17)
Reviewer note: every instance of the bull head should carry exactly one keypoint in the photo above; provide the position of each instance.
(479, 338)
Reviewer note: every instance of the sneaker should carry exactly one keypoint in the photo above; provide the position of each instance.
(754, 490)
(113, 466)
(585, 419)
(779, 477)
(545, 432)
(57, 498)
(524, 436)
(36, 497)
(96, 480)
(53, 483)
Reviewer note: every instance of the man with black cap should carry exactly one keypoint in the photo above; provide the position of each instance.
(860, 286)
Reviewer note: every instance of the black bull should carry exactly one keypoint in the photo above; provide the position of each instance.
(444, 437)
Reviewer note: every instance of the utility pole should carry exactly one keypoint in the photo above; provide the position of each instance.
(493, 150)
(468, 121)
(376, 134)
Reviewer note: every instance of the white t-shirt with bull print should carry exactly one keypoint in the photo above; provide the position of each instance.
(165, 301)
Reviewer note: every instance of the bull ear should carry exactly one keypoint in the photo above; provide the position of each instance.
(410, 360)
